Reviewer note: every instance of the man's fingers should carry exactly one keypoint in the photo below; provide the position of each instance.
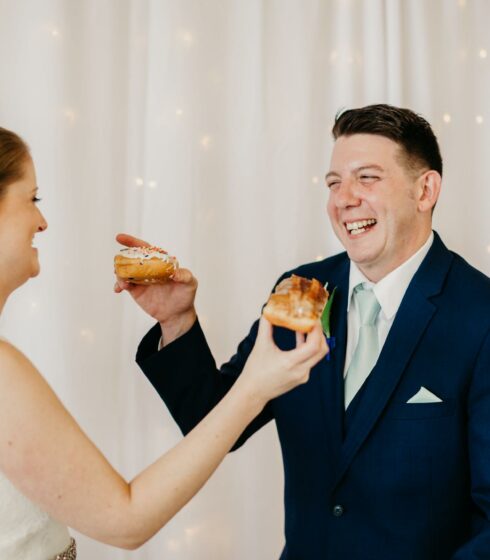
(121, 286)
(183, 276)
(130, 241)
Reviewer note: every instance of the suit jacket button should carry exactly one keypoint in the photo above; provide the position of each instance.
(337, 510)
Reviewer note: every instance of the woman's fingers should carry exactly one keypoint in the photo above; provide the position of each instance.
(315, 358)
(300, 339)
(312, 350)
(265, 330)
(309, 348)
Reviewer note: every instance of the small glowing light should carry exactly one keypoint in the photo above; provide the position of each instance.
(192, 531)
(483, 53)
(152, 184)
(52, 29)
(207, 216)
(205, 141)
(333, 56)
(173, 545)
(314, 180)
(34, 305)
(446, 118)
(70, 115)
(478, 119)
(179, 112)
(462, 3)
(319, 258)
(186, 37)
(87, 334)
(139, 181)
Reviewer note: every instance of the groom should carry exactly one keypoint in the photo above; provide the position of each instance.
(387, 448)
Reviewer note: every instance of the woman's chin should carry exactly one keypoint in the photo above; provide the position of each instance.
(36, 269)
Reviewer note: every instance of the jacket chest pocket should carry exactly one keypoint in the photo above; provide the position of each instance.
(422, 411)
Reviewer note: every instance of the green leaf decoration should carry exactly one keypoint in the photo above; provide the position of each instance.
(325, 318)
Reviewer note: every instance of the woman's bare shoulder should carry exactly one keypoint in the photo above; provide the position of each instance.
(10, 356)
(16, 370)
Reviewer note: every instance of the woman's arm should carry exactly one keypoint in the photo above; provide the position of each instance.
(46, 455)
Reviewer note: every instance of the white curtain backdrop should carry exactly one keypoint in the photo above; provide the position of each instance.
(204, 126)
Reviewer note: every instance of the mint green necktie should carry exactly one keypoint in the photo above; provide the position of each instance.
(367, 349)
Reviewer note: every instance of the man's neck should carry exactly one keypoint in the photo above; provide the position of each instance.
(376, 273)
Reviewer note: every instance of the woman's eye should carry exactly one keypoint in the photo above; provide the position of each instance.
(36, 199)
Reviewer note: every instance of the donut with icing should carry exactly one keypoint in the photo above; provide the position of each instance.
(144, 265)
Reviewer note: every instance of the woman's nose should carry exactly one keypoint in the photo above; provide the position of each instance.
(43, 224)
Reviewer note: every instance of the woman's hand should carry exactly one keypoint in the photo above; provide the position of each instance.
(270, 372)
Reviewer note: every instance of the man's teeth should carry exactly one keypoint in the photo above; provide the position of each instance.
(355, 228)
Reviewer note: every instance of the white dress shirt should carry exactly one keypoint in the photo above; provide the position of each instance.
(389, 291)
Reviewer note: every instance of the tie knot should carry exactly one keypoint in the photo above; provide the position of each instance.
(367, 304)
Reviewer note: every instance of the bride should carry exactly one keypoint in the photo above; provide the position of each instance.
(51, 474)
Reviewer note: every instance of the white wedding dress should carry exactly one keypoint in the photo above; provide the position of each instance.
(26, 532)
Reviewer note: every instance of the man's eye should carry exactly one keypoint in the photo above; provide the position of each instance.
(333, 184)
(369, 178)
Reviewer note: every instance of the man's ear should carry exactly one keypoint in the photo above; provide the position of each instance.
(430, 187)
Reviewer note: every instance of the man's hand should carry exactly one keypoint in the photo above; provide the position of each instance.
(171, 304)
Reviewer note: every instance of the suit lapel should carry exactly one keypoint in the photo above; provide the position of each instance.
(331, 372)
(410, 323)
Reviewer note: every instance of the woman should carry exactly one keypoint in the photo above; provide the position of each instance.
(51, 474)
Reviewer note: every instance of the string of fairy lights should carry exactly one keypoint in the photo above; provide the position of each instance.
(187, 40)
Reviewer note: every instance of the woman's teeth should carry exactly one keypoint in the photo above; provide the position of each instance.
(355, 228)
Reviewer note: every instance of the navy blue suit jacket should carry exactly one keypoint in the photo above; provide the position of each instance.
(388, 480)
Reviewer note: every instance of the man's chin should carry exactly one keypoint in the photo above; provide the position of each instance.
(362, 259)
(360, 255)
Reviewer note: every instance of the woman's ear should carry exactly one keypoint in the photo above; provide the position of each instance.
(430, 187)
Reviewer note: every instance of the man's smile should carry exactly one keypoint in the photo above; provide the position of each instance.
(359, 226)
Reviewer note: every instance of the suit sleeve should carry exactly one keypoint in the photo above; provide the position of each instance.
(479, 453)
(185, 375)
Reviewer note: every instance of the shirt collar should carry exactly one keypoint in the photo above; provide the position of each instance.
(390, 290)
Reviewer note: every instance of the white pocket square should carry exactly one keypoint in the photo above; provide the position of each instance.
(423, 396)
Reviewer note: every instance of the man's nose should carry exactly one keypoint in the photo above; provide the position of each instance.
(347, 194)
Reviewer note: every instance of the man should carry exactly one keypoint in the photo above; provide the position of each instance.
(387, 448)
